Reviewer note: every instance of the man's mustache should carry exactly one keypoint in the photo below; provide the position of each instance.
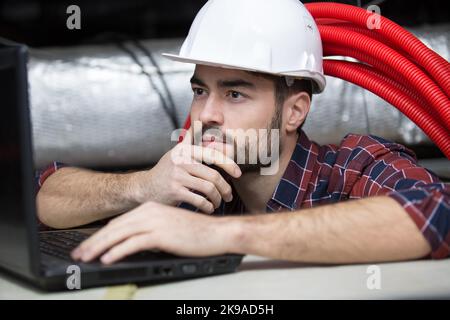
(213, 134)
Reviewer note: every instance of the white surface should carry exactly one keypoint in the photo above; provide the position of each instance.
(259, 278)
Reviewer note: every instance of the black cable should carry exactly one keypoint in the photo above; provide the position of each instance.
(167, 109)
(149, 55)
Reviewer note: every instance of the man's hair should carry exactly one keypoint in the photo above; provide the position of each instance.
(283, 91)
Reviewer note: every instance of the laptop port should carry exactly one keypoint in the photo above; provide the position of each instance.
(163, 271)
(208, 267)
(189, 268)
(221, 263)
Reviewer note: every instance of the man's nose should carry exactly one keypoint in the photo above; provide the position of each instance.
(211, 113)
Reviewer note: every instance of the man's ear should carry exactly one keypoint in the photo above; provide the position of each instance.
(296, 109)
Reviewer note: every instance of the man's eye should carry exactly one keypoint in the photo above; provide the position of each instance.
(235, 95)
(198, 91)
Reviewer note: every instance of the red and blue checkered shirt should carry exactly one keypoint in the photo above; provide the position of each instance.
(361, 166)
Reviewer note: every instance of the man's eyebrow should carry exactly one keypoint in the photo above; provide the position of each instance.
(235, 83)
(232, 83)
(197, 81)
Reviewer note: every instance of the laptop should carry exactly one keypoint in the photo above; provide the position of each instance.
(43, 258)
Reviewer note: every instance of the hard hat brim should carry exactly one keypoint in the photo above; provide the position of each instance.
(319, 79)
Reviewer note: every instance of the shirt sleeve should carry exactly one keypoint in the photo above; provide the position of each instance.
(391, 169)
(42, 175)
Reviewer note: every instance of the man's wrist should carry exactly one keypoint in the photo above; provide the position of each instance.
(233, 234)
(266, 234)
(135, 192)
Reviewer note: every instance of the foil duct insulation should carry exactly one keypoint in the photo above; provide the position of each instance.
(95, 106)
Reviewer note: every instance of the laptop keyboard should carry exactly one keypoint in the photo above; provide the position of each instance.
(60, 244)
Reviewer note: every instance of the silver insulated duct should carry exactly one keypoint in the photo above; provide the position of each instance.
(117, 105)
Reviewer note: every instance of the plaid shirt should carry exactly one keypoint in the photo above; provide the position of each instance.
(361, 166)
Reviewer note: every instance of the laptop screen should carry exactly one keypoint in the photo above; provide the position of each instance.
(16, 183)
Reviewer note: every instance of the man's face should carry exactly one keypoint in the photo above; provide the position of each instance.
(227, 100)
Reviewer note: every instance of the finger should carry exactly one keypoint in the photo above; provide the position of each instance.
(106, 238)
(206, 173)
(128, 247)
(212, 156)
(207, 188)
(196, 200)
(100, 242)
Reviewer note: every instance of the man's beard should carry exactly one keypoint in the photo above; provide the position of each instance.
(264, 145)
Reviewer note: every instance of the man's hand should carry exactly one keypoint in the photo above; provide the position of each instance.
(157, 226)
(180, 173)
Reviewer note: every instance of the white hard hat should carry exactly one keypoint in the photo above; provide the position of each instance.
(278, 37)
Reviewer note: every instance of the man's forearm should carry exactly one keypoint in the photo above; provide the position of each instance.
(72, 197)
(367, 230)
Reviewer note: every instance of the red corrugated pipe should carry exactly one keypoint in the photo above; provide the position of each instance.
(361, 76)
(385, 58)
(437, 66)
(398, 64)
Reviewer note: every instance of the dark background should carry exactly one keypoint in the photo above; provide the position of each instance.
(43, 22)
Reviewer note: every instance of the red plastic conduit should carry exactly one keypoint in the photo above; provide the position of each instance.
(406, 90)
(356, 74)
(437, 66)
(391, 58)
(388, 74)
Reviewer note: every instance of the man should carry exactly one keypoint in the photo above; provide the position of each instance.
(257, 65)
